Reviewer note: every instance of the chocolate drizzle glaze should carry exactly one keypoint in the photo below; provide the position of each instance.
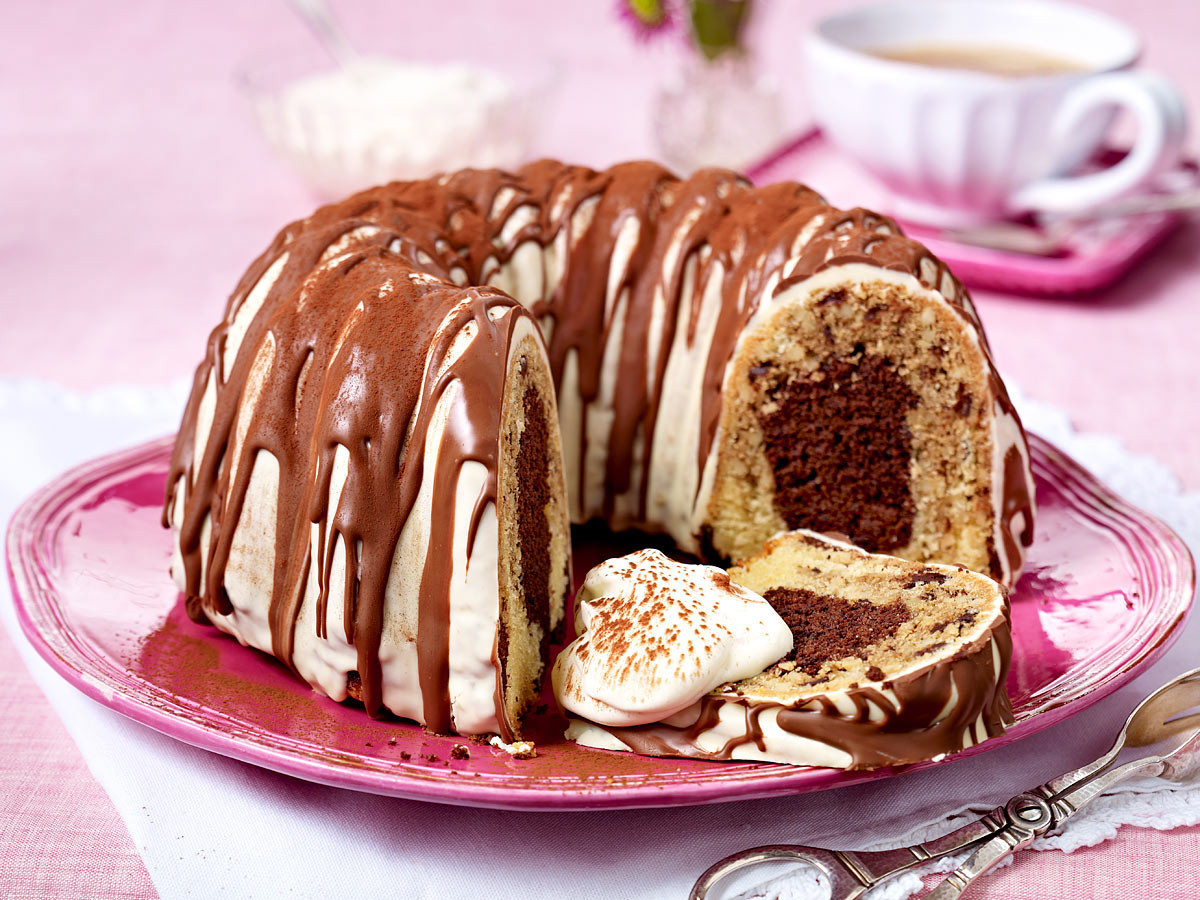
(911, 724)
(350, 348)
(337, 375)
(716, 218)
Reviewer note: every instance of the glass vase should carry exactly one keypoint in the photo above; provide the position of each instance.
(719, 112)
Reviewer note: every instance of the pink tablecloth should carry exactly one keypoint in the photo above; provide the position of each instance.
(133, 190)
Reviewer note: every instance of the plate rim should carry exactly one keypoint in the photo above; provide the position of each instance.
(750, 780)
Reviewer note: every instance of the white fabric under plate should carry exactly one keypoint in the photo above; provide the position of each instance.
(208, 826)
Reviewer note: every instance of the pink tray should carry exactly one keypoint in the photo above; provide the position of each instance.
(1095, 257)
(1105, 593)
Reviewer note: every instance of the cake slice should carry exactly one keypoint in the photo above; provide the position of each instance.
(893, 662)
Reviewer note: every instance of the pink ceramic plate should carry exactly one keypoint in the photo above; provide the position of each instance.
(1106, 590)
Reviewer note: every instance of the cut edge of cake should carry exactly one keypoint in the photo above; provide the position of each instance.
(535, 534)
(936, 467)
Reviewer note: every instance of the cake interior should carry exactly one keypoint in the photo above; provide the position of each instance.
(858, 407)
(858, 618)
(534, 531)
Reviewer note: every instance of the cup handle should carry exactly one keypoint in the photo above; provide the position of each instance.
(1161, 120)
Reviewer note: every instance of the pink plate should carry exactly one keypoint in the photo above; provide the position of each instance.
(1106, 591)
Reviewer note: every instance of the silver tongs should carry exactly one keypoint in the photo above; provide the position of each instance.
(1168, 714)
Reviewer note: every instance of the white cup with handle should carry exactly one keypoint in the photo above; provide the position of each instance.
(974, 110)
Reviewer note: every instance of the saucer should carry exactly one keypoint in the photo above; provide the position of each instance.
(1093, 257)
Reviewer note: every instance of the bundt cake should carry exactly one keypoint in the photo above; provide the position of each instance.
(892, 662)
(414, 390)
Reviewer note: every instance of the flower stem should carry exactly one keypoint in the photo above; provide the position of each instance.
(718, 24)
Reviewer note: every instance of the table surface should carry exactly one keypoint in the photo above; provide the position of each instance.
(134, 189)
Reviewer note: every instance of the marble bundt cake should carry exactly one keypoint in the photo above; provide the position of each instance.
(892, 662)
(414, 390)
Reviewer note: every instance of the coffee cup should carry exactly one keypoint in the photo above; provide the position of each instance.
(971, 111)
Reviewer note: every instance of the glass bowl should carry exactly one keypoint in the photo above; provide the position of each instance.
(389, 117)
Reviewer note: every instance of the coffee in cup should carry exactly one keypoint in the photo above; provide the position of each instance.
(983, 110)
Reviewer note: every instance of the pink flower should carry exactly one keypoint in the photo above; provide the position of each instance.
(648, 18)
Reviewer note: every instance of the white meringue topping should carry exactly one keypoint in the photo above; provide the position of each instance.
(655, 635)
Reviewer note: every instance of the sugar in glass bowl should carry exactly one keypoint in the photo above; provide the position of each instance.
(385, 118)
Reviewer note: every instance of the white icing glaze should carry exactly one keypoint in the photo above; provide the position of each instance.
(677, 500)
(656, 635)
(326, 661)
